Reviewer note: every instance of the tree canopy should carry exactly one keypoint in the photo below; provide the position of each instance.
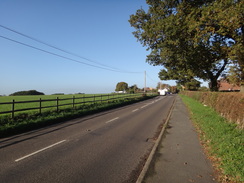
(133, 88)
(29, 92)
(191, 38)
(121, 86)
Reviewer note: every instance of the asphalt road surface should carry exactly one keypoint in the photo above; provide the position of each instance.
(107, 147)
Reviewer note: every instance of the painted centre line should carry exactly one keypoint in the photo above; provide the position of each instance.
(135, 110)
(144, 106)
(48, 147)
(112, 120)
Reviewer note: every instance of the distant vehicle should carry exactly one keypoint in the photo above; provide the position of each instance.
(162, 92)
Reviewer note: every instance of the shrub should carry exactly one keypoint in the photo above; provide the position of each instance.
(228, 105)
(29, 92)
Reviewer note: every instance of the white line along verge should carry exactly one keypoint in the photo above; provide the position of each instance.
(48, 147)
(112, 120)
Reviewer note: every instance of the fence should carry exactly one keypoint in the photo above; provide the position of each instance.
(59, 102)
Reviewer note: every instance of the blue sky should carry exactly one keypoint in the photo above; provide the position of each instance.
(97, 30)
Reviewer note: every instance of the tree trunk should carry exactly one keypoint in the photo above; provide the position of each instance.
(213, 85)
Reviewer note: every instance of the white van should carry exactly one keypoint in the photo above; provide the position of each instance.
(162, 91)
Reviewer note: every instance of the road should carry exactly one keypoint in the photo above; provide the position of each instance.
(107, 147)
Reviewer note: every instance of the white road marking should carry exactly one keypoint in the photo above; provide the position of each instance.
(144, 106)
(135, 110)
(150, 103)
(112, 120)
(48, 147)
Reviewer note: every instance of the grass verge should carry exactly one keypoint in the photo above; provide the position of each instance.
(223, 141)
(26, 122)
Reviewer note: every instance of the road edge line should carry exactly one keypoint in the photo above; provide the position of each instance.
(152, 153)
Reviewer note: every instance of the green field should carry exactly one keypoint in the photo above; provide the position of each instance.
(78, 100)
(8, 107)
(32, 119)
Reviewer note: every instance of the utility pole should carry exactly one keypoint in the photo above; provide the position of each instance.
(145, 83)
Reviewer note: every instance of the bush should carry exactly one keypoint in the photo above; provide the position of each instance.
(29, 92)
(228, 105)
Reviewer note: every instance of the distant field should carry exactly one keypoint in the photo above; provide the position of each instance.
(22, 117)
(78, 98)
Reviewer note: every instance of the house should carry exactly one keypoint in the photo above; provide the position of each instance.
(224, 86)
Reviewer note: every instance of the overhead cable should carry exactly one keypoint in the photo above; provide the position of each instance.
(150, 78)
(62, 50)
(61, 56)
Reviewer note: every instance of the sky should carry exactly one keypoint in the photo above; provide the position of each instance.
(99, 49)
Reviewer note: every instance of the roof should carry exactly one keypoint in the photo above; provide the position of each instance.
(225, 86)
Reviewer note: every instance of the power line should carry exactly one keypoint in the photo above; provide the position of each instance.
(61, 56)
(62, 50)
(51, 53)
(42, 42)
(150, 78)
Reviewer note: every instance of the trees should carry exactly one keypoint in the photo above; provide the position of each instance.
(121, 86)
(160, 85)
(173, 89)
(29, 92)
(192, 85)
(133, 88)
(191, 38)
(234, 75)
(223, 19)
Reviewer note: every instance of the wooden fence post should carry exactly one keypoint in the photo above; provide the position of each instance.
(57, 104)
(73, 102)
(40, 106)
(13, 109)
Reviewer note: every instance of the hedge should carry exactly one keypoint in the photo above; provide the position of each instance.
(229, 105)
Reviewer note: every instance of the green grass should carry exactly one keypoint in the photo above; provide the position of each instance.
(8, 107)
(82, 98)
(33, 120)
(224, 139)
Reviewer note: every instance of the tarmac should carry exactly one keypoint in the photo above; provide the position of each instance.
(179, 156)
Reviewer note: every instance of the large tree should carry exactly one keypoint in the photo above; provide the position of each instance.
(180, 36)
(121, 86)
(223, 19)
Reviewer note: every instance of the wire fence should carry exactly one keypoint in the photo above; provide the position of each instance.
(57, 103)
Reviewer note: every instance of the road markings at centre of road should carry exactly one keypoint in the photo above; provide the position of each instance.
(144, 106)
(48, 147)
(135, 110)
(112, 120)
